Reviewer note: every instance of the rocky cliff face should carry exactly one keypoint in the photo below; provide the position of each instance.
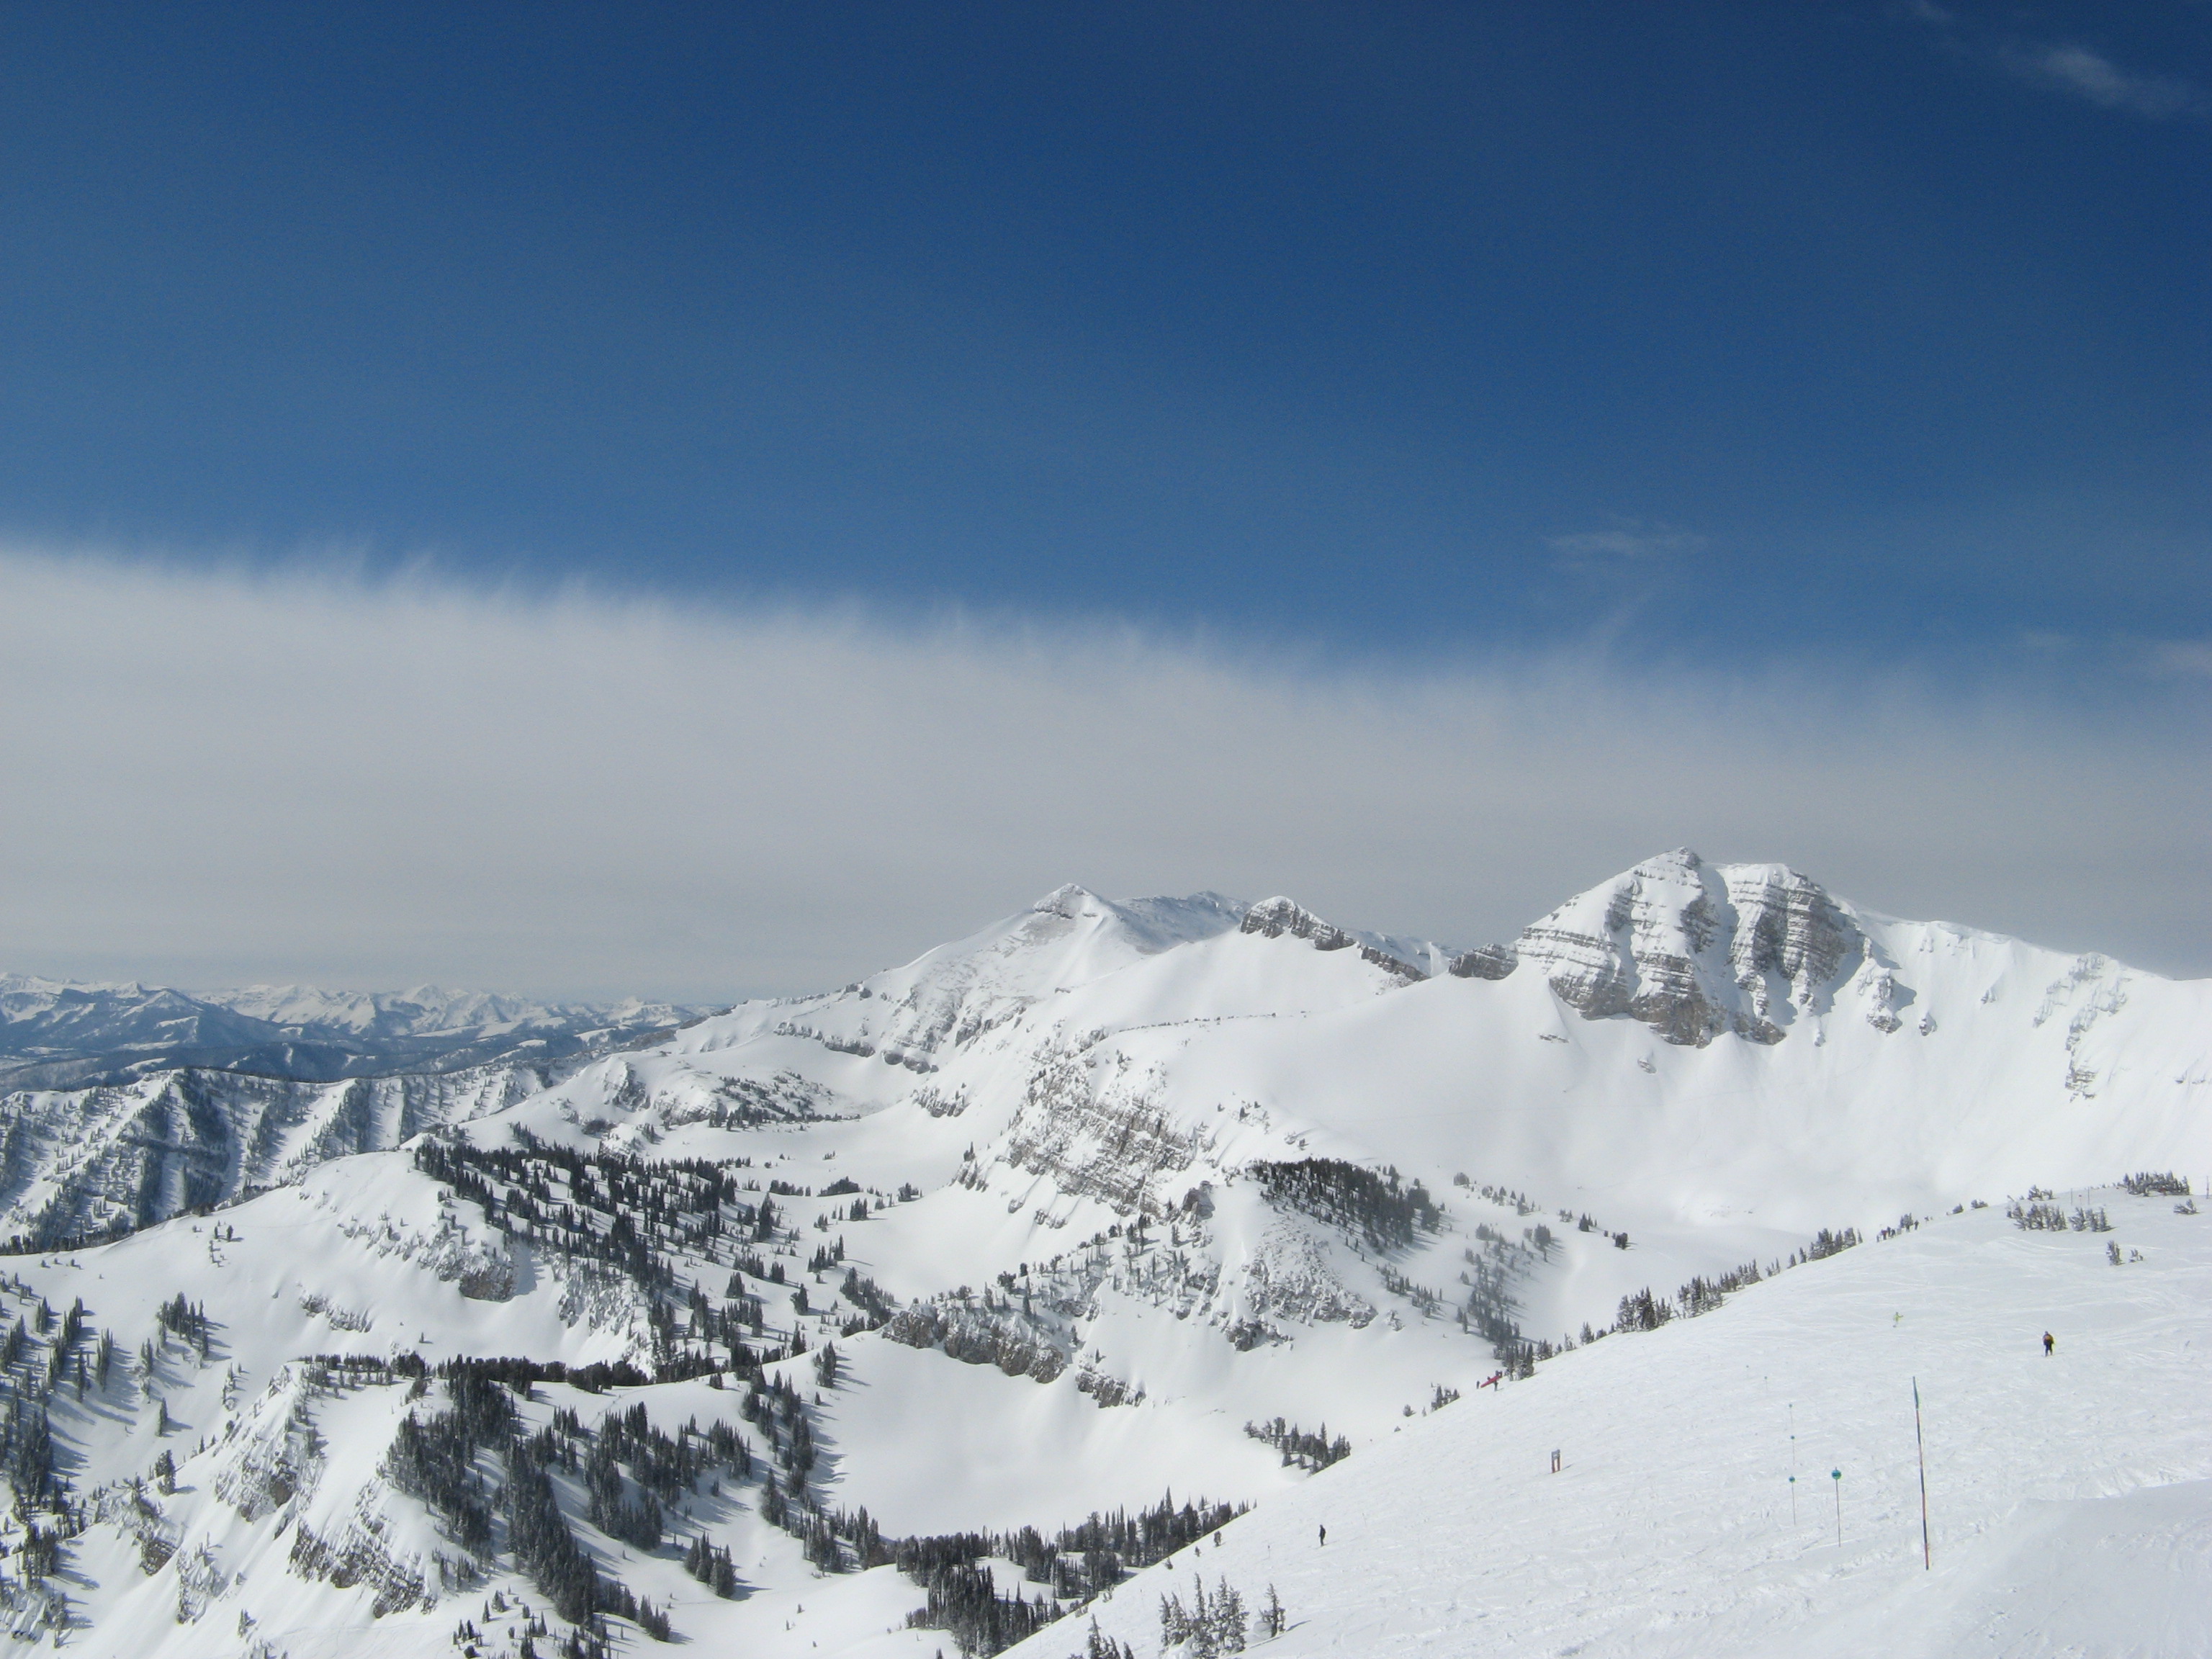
(1695, 950)
(1281, 918)
(1790, 945)
(1487, 962)
(1102, 1137)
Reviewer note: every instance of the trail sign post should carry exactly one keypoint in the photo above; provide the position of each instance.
(1920, 1445)
(1837, 1475)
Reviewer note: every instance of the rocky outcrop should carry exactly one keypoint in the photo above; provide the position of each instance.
(275, 1456)
(1790, 944)
(1485, 962)
(1103, 1139)
(1281, 918)
(1695, 952)
(459, 1250)
(979, 1337)
(1632, 947)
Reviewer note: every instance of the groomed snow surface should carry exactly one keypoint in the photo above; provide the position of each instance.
(2069, 1496)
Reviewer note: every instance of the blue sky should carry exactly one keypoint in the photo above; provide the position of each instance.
(704, 500)
(1733, 330)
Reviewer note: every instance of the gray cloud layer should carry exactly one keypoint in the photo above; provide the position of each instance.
(211, 779)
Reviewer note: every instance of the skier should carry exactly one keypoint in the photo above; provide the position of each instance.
(2049, 1343)
(1324, 1536)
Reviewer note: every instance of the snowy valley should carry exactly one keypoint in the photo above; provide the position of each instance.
(988, 1297)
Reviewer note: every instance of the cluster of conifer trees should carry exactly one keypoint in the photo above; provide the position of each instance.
(520, 1375)
(647, 1207)
(639, 1217)
(1074, 1564)
(711, 1566)
(71, 1358)
(1827, 1244)
(1490, 1303)
(1702, 1295)
(965, 1604)
(1315, 1451)
(434, 1457)
(1216, 1625)
(869, 1297)
(2049, 1218)
(2156, 1183)
(1333, 1190)
(1644, 1311)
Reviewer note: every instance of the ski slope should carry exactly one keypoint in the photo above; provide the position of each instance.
(2070, 1498)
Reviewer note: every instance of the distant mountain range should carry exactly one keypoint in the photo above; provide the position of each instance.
(57, 1033)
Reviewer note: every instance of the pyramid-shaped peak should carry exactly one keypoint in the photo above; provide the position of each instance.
(1070, 899)
(1677, 863)
(1695, 950)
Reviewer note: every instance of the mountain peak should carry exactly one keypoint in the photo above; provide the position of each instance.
(1069, 899)
(1694, 950)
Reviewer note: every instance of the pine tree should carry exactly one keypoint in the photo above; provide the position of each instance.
(1174, 1623)
(1228, 1619)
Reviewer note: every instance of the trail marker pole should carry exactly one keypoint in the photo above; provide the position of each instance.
(1837, 1475)
(1920, 1445)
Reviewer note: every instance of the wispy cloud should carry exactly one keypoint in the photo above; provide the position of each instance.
(1624, 542)
(2064, 66)
(2070, 68)
(213, 779)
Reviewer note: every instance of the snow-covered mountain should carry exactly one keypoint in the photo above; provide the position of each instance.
(1688, 1045)
(1108, 1199)
(59, 1034)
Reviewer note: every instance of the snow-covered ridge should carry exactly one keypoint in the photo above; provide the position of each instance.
(1278, 918)
(1893, 1029)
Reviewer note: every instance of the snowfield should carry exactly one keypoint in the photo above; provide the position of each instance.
(2070, 1498)
(1079, 1199)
